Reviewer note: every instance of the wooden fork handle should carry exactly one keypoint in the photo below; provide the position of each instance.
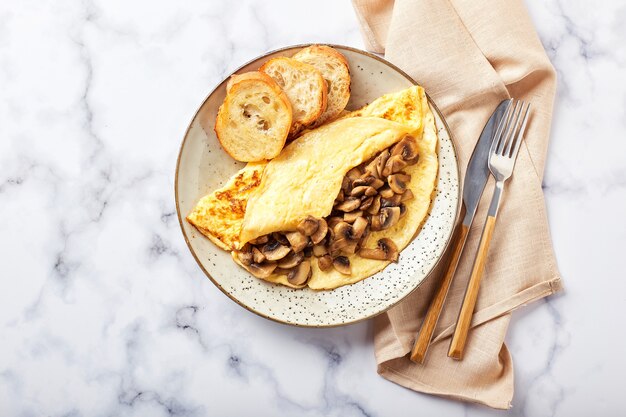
(436, 305)
(457, 345)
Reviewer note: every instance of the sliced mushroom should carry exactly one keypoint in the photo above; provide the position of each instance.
(373, 209)
(340, 197)
(325, 263)
(345, 240)
(366, 202)
(407, 195)
(381, 162)
(386, 250)
(320, 250)
(263, 270)
(347, 247)
(333, 221)
(370, 180)
(391, 202)
(297, 240)
(397, 182)
(257, 255)
(363, 190)
(291, 260)
(343, 230)
(345, 184)
(308, 225)
(274, 250)
(394, 164)
(407, 149)
(359, 226)
(386, 192)
(320, 233)
(261, 240)
(280, 238)
(402, 207)
(352, 216)
(370, 169)
(245, 255)
(354, 173)
(300, 274)
(342, 264)
(350, 204)
(387, 218)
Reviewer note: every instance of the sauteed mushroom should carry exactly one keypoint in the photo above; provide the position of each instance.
(320, 233)
(308, 225)
(263, 270)
(257, 255)
(381, 162)
(397, 182)
(297, 240)
(274, 251)
(349, 204)
(359, 226)
(407, 149)
(386, 250)
(325, 262)
(366, 202)
(352, 216)
(386, 192)
(291, 260)
(259, 240)
(394, 164)
(342, 264)
(300, 274)
(373, 209)
(387, 218)
(407, 195)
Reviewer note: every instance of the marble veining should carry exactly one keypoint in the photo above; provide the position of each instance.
(103, 312)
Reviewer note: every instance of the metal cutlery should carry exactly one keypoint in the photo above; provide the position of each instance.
(502, 157)
(474, 184)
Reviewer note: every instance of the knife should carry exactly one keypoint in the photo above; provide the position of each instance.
(475, 180)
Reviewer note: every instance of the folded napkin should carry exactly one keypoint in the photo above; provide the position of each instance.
(469, 56)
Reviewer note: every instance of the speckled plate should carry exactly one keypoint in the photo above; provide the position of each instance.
(203, 166)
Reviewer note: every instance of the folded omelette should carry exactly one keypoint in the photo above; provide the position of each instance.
(306, 177)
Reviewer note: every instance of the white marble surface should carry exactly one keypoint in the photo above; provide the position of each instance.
(103, 312)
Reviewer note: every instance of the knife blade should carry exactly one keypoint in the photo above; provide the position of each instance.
(477, 171)
(474, 183)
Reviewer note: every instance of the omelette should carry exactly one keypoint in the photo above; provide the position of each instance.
(261, 208)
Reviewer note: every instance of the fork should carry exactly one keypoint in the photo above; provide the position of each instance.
(502, 157)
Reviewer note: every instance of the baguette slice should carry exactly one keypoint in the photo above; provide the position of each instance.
(336, 73)
(303, 84)
(254, 120)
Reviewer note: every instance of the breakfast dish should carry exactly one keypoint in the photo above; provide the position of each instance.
(338, 203)
(204, 168)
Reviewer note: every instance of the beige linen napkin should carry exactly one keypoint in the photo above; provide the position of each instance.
(469, 56)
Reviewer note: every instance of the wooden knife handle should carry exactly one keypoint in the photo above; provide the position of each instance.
(436, 305)
(457, 345)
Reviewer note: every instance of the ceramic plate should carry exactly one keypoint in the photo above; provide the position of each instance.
(203, 166)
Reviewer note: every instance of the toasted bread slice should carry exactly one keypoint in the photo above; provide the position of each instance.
(254, 120)
(304, 86)
(334, 68)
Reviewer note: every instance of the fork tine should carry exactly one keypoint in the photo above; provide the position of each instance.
(520, 134)
(510, 129)
(497, 137)
(516, 125)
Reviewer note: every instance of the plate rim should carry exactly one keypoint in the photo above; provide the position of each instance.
(275, 319)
